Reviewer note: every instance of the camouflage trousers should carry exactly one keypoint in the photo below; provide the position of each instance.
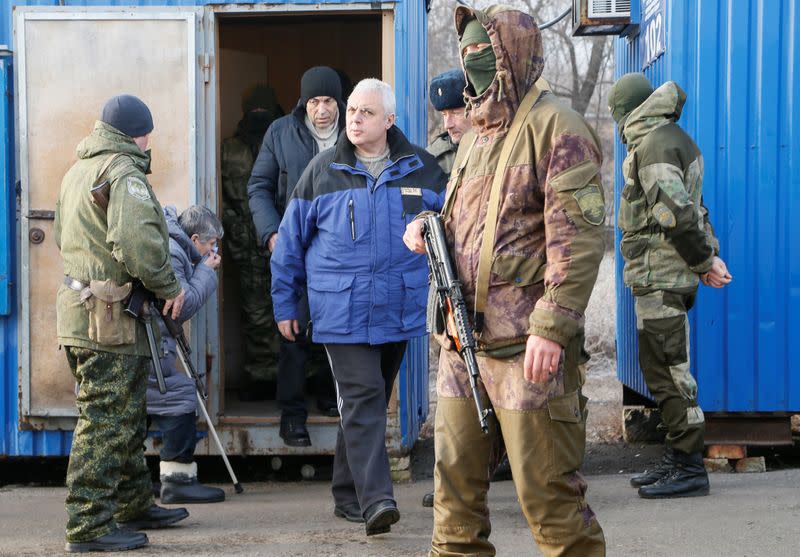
(107, 477)
(260, 336)
(543, 427)
(663, 329)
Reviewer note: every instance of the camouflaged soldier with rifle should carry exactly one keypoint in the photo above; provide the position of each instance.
(108, 241)
(523, 218)
(447, 97)
(669, 246)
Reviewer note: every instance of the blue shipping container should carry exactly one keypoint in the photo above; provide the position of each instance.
(36, 413)
(737, 61)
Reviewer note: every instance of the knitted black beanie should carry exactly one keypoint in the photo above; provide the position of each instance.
(320, 81)
(128, 114)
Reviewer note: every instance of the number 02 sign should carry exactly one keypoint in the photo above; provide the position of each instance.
(652, 35)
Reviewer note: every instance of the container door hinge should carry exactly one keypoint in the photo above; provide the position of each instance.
(206, 66)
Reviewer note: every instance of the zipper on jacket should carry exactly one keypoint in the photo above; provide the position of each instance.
(351, 210)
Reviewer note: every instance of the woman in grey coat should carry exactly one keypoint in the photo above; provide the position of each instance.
(193, 240)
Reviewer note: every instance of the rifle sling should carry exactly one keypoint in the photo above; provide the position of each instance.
(490, 224)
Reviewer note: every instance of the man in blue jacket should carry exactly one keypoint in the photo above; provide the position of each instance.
(289, 145)
(193, 249)
(341, 236)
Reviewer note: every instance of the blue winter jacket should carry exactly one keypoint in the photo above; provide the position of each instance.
(341, 236)
(286, 150)
(199, 282)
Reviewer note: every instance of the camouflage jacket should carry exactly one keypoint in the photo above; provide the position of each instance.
(549, 238)
(237, 159)
(444, 150)
(128, 242)
(667, 239)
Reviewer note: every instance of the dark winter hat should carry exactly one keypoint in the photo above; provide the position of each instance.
(447, 90)
(258, 96)
(128, 114)
(631, 90)
(320, 81)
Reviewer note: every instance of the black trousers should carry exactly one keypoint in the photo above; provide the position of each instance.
(295, 357)
(364, 376)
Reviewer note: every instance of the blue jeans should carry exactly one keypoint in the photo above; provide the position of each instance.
(178, 436)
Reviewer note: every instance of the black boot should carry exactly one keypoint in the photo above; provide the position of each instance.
(380, 516)
(351, 512)
(154, 517)
(116, 540)
(427, 499)
(688, 478)
(503, 471)
(294, 433)
(179, 485)
(660, 470)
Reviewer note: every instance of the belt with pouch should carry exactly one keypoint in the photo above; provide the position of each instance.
(74, 284)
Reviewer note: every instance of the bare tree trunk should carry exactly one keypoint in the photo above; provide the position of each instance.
(583, 95)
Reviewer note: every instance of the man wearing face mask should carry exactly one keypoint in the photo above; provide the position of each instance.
(289, 145)
(259, 339)
(669, 247)
(193, 240)
(523, 218)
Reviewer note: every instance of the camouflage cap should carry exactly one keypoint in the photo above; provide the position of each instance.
(631, 90)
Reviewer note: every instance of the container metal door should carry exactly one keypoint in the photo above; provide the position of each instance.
(69, 61)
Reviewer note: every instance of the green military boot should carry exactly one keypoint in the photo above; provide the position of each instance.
(660, 470)
(688, 478)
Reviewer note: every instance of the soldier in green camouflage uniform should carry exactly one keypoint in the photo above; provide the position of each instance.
(260, 337)
(542, 266)
(669, 246)
(105, 249)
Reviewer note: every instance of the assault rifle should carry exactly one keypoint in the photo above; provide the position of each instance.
(138, 307)
(450, 302)
(138, 297)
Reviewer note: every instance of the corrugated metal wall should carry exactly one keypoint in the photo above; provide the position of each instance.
(738, 63)
(410, 22)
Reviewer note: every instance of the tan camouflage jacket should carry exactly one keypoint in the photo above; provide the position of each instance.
(667, 239)
(129, 242)
(549, 239)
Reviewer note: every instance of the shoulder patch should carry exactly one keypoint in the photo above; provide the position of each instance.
(590, 201)
(138, 189)
(665, 218)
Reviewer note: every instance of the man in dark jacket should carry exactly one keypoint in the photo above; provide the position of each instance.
(193, 241)
(342, 237)
(290, 143)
